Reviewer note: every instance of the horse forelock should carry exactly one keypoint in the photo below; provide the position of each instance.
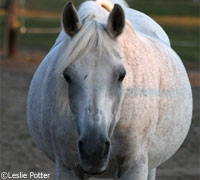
(92, 36)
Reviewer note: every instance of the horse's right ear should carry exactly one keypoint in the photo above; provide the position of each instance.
(70, 19)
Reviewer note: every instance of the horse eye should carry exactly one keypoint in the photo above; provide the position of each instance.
(67, 77)
(121, 76)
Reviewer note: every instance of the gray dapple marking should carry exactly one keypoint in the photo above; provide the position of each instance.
(124, 105)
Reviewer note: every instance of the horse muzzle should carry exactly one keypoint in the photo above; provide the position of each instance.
(94, 155)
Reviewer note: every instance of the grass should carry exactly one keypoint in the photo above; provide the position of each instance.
(36, 41)
(169, 7)
(176, 34)
(186, 34)
(150, 7)
(44, 41)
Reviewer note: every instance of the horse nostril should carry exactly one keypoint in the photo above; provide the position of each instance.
(86, 157)
(94, 152)
(106, 149)
(80, 143)
(80, 147)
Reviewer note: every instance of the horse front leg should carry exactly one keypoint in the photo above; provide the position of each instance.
(63, 173)
(135, 169)
(152, 174)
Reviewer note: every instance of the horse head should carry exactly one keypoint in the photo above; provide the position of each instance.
(94, 78)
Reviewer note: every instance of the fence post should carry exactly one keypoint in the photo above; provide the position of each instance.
(5, 36)
(12, 27)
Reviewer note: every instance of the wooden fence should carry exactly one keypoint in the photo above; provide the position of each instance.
(12, 23)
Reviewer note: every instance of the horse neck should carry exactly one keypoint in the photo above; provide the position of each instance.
(139, 59)
(128, 41)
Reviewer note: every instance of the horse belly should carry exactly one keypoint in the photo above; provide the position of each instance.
(175, 112)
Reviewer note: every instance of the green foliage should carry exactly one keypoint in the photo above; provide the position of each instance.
(150, 7)
(41, 41)
(169, 7)
(190, 37)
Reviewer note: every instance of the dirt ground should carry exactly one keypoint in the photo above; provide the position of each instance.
(18, 152)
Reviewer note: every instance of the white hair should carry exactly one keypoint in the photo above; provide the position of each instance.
(91, 36)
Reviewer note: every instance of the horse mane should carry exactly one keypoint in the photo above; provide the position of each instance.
(92, 36)
(108, 4)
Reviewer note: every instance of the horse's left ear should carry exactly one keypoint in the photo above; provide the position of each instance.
(70, 19)
(116, 21)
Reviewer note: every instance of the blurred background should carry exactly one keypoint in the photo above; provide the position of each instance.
(28, 29)
(38, 22)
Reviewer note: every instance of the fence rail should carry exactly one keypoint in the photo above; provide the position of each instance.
(166, 20)
(10, 44)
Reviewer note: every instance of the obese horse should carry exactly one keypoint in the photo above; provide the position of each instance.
(111, 99)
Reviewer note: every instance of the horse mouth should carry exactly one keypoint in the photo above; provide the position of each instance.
(93, 172)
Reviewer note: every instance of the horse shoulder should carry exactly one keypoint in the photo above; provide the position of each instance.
(41, 101)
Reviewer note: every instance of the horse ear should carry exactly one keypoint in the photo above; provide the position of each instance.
(70, 19)
(116, 21)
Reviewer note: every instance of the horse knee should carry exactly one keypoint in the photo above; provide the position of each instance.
(135, 170)
(152, 174)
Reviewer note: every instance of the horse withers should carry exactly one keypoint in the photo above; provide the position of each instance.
(111, 99)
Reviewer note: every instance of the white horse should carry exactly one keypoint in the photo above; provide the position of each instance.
(111, 99)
